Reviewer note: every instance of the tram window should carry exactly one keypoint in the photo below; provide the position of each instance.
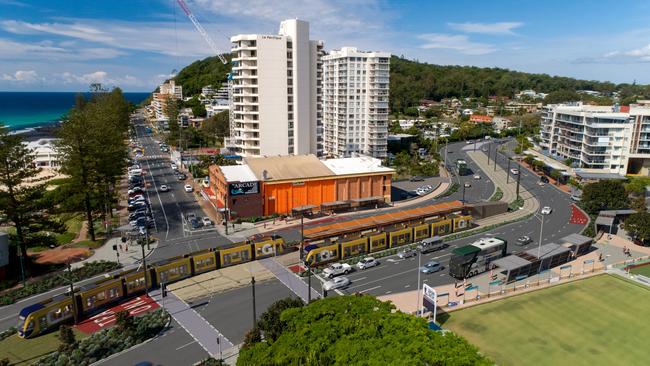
(90, 301)
(112, 292)
(101, 296)
(42, 322)
(138, 282)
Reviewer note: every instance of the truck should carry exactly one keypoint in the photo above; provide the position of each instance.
(337, 269)
(475, 258)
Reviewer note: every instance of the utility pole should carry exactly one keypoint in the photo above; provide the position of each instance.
(308, 283)
(518, 179)
(496, 150)
(417, 297)
(463, 195)
(144, 266)
(254, 311)
(541, 230)
(74, 304)
(508, 172)
(489, 152)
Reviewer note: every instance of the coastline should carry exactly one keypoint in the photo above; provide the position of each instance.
(38, 132)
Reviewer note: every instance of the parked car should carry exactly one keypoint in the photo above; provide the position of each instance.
(206, 221)
(416, 178)
(174, 167)
(575, 198)
(407, 253)
(431, 267)
(514, 171)
(546, 210)
(367, 262)
(164, 188)
(337, 269)
(137, 205)
(523, 240)
(195, 224)
(181, 176)
(336, 283)
(135, 190)
(188, 188)
(189, 216)
(544, 179)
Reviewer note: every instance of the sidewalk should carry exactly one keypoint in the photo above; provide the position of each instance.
(128, 254)
(499, 178)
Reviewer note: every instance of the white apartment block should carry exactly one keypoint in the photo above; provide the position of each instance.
(355, 102)
(276, 93)
(159, 101)
(599, 138)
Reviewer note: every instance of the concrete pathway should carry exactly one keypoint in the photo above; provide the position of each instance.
(198, 328)
(126, 254)
(289, 279)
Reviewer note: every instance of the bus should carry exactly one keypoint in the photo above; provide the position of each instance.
(475, 258)
(461, 165)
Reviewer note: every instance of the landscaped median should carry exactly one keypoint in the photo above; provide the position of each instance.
(55, 280)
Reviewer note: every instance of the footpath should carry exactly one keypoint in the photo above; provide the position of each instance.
(128, 255)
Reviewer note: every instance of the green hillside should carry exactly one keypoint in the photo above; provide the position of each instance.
(209, 71)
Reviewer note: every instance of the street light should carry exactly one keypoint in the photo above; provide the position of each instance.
(417, 296)
(145, 232)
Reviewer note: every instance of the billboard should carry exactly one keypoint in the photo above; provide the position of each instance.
(242, 188)
(4, 249)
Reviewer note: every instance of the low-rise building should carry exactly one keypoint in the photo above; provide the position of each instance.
(45, 154)
(237, 189)
(480, 118)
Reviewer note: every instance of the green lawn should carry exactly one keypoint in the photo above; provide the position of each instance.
(597, 321)
(26, 351)
(643, 270)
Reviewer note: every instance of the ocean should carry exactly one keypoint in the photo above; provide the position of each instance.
(20, 110)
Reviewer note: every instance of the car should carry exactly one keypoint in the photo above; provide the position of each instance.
(419, 191)
(467, 185)
(575, 198)
(189, 216)
(514, 171)
(136, 198)
(337, 269)
(135, 190)
(541, 183)
(195, 224)
(544, 179)
(407, 253)
(431, 267)
(367, 262)
(546, 210)
(188, 188)
(206, 221)
(136, 206)
(164, 188)
(181, 176)
(416, 178)
(523, 240)
(174, 167)
(477, 177)
(428, 187)
(336, 283)
(469, 141)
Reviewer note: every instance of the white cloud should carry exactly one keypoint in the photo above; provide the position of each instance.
(11, 50)
(486, 28)
(98, 77)
(27, 76)
(637, 55)
(74, 30)
(456, 42)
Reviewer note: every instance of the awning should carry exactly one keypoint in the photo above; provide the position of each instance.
(511, 262)
(303, 209)
(606, 221)
(368, 200)
(335, 204)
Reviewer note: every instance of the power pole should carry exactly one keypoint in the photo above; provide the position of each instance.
(308, 283)
(74, 303)
(518, 179)
(144, 266)
(254, 311)
(495, 158)
(508, 172)
(489, 152)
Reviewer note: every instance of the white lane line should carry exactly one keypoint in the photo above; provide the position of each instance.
(369, 289)
(388, 292)
(407, 286)
(162, 207)
(185, 345)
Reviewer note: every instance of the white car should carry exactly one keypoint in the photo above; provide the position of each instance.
(174, 167)
(477, 177)
(468, 185)
(337, 282)
(337, 269)
(514, 171)
(546, 210)
(367, 262)
(188, 188)
(206, 221)
(164, 188)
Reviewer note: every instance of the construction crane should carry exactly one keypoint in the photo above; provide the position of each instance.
(199, 28)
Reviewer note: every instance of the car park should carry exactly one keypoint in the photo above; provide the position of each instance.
(367, 262)
(188, 188)
(523, 240)
(164, 188)
(431, 267)
(546, 210)
(337, 269)
(206, 221)
(336, 283)
(407, 253)
(514, 171)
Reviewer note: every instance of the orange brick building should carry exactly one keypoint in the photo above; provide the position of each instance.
(288, 182)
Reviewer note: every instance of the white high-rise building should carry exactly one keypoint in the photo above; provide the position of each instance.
(610, 139)
(276, 92)
(166, 91)
(355, 102)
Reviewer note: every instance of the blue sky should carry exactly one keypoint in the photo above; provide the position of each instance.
(66, 45)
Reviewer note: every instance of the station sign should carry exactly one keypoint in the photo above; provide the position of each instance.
(242, 188)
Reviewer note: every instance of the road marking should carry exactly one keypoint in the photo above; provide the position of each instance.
(407, 286)
(157, 193)
(185, 345)
(369, 289)
(388, 292)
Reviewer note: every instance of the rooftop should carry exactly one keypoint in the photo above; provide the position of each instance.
(547, 250)
(238, 173)
(275, 168)
(360, 165)
(598, 176)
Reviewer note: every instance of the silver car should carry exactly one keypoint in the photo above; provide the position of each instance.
(431, 267)
(407, 253)
(336, 283)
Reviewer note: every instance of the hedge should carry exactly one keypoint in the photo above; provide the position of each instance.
(108, 342)
(54, 280)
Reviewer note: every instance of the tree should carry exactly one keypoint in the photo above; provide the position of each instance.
(360, 329)
(556, 176)
(217, 126)
(270, 323)
(21, 200)
(252, 337)
(561, 96)
(124, 322)
(604, 195)
(638, 225)
(67, 338)
(199, 111)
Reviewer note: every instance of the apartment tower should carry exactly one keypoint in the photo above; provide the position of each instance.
(276, 93)
(355, 103)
